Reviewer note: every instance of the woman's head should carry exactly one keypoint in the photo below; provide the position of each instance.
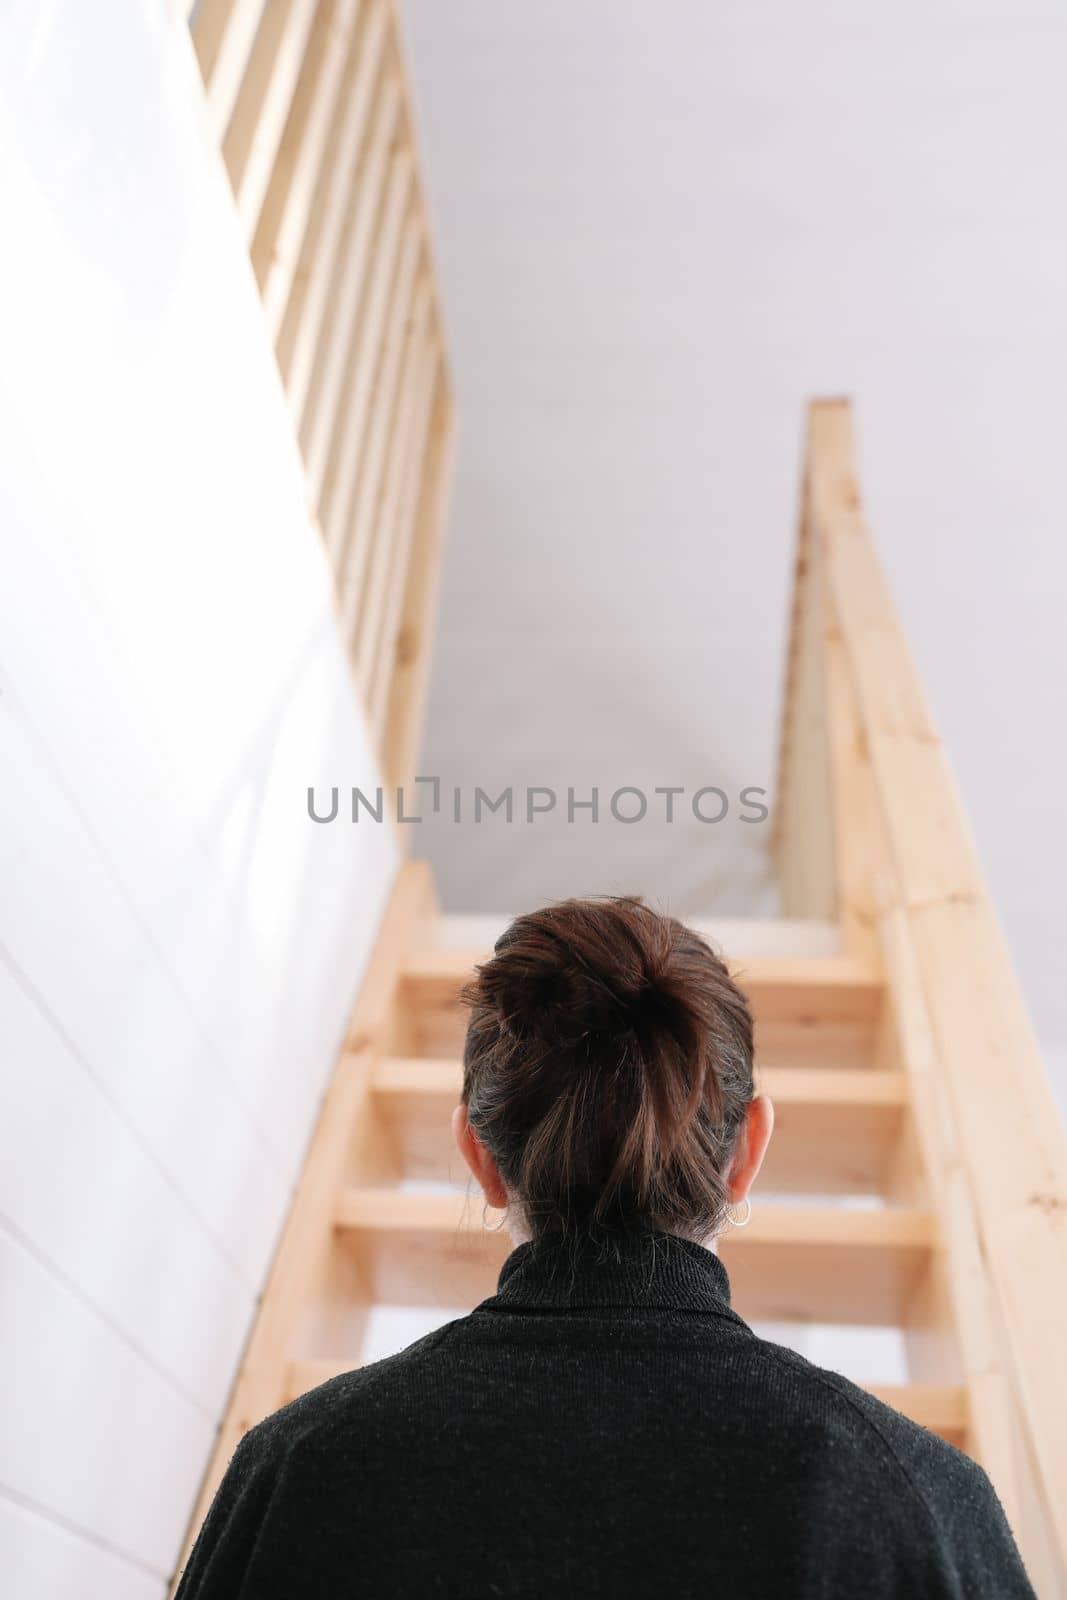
(607, 1074)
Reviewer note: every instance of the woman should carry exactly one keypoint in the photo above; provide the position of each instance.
(605, 1424)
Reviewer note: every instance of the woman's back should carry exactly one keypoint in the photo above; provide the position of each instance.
(606, 1424)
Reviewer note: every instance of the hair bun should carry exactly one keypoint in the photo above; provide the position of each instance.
(607, 1067)
(566, 989)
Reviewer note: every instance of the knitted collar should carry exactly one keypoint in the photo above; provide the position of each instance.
(641, 1268)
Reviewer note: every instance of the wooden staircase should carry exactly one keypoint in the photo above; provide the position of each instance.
(844, 1129)
(872, 1207)
(359, 1238)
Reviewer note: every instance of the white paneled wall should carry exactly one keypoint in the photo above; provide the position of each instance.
(180, 944)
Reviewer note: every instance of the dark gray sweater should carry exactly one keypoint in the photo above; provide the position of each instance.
(604, 1425)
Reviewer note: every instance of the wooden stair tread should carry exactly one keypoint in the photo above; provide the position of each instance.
(442, 1075)
(742, 937)
(388, 1208)
(941, 1407)
(820, 988)
(802, 1263)
(837, 1129)
(800, 993)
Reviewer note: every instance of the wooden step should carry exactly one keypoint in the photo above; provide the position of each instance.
(742, 937)
(940, 1407)
(943, 1408)
(836, 1131)
(805, 1263)
(800, 992)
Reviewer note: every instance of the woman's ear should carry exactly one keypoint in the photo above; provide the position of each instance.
(478, 1159)
(751, 1148)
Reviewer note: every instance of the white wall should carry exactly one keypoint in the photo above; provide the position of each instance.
(180, 944)
(662, 227)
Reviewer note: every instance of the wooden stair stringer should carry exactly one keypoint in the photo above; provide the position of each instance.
(304, 1262)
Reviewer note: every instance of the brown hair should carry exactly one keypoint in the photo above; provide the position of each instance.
(608, 1068)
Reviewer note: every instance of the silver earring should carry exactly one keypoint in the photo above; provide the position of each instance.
(500, 1224)
(743, 1222)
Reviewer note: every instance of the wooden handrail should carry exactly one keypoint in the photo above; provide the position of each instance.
(802, 824)
(903, 870)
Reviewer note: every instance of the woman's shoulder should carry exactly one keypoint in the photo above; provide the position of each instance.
(344, 1397)
(884, 1441)
(960, 1510)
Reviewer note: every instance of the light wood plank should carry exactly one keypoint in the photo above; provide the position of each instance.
(857, 838)
(313, 105)
(1012, 1139)
(259, 115)
(207, 24)
(378, 633)
(410, 99)
(377, 229)
(303, 214)
(404, 416)
(363, 516)
(374, 359)
(741, 936)
(414, 639)
(876, 1089)
(836, 1131)
(791, 1264)
(805, 993)
(802, 829)
(224, 32)
(972, 1331)
(941, 1407)
(357, 178)
(297, 166)
(305, 1289)
(301, 1376)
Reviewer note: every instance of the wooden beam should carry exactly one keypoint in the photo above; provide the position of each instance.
(298, 165)
(970, 1333)
(791, 1264)
(374, 532)
(381, 210)
(224, 32)
(414, 636)
(254, 134)
(321, 260)
(836, 1131)
(303, 1273)
(377, 654)
(802, 836)
(376, 352)
(858, 843)
(1011, 1135)
(941, 1407)
(293, 268)
(804, 992)
(361, 518)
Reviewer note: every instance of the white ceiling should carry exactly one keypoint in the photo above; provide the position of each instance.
(660, 228)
